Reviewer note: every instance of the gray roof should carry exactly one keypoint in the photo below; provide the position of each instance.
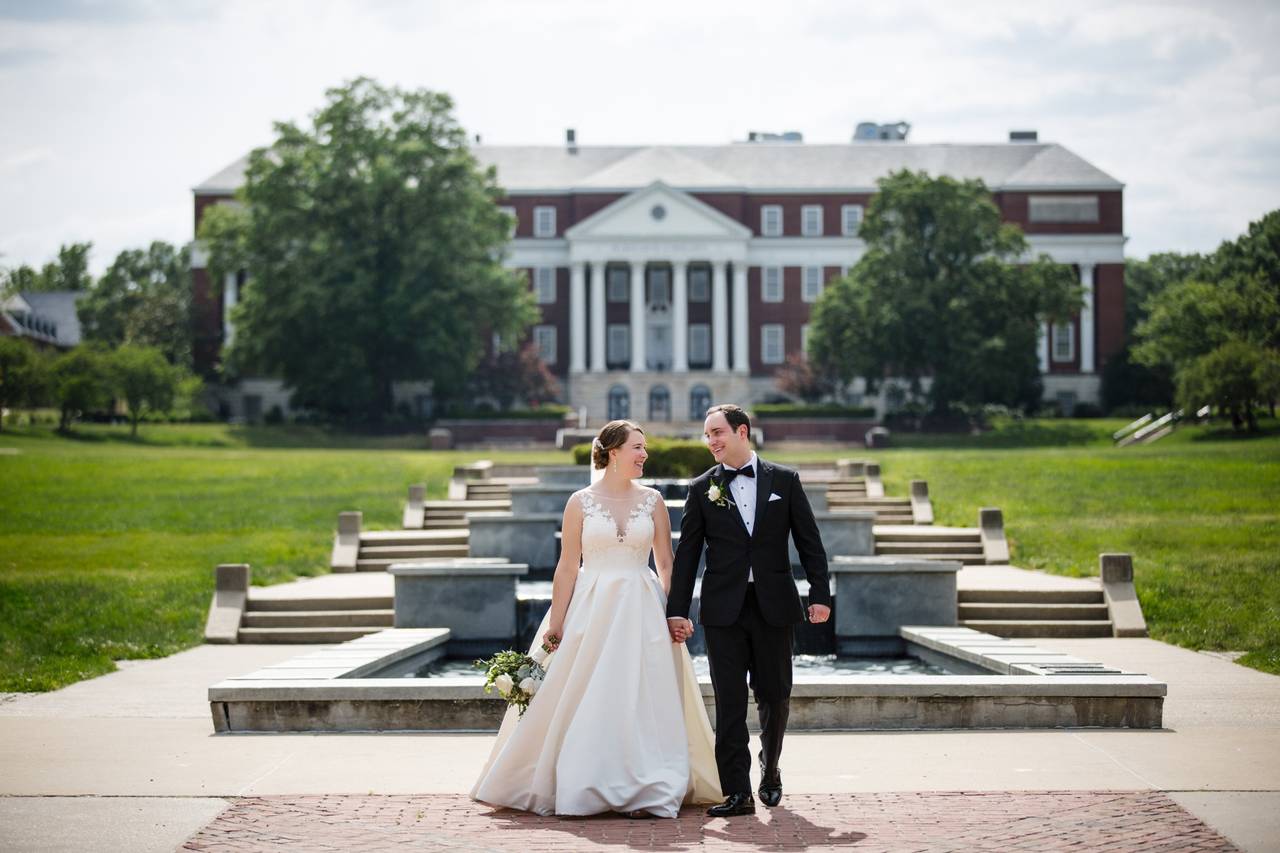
(59, 307)
(767, 166)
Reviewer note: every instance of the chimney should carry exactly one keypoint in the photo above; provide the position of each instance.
(1023, 136)
(571, 140)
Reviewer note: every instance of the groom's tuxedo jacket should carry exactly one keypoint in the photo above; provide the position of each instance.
(731, 551)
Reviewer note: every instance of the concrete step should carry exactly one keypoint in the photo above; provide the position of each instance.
(1023, 610)
(304, 635)
(969, 558)
(925, 533)
(379, 564)
(370, 602)
(412, 537)
(939, 548)
(403, 551)
(893, 518)
(318, 619)
(445, 523)
(1041, 627)
(1031, 596)
(876, 503)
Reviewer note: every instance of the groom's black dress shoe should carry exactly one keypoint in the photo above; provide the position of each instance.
(770, 785)
(734, 805)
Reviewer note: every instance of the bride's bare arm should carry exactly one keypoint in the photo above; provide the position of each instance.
(566, 571)
(662, 557)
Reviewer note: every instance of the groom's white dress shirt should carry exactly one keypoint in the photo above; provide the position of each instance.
(743, 490)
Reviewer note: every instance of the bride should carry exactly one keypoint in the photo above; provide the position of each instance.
(618, 724)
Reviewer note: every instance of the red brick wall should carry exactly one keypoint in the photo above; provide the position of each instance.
(791, 207)
(1013, 208)
(792, 312)
(1109, 310)
(203, 203)
(207, 320)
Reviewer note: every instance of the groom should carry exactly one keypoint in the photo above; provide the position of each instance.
(743, 509)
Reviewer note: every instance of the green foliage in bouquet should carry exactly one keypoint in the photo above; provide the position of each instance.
(515, 676)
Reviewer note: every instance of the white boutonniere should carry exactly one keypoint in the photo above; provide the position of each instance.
(716, 494)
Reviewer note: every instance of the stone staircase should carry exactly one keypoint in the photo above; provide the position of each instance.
(357, 550)
(961, 544)
(314, 620)
(1035, 612)
(857, 486)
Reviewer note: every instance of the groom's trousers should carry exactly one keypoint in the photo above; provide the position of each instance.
(749, 647)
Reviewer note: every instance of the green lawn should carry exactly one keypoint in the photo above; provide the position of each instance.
(107, 545)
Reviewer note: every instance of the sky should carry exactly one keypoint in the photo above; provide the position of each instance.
(113, 111)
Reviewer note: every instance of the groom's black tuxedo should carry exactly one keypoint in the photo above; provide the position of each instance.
(748, 626)
(731, 551)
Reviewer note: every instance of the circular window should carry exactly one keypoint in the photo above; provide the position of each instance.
(658, 212)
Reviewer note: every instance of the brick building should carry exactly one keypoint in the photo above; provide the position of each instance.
(669, 276)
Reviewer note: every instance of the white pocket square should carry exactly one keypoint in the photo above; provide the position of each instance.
(775, 497)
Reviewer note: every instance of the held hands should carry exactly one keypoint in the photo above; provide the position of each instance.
(681, 629)
(819, 613)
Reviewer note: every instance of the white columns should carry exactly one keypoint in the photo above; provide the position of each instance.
(740, 364)
(577, 317)
(1086, 320)
(598, 275)
(230, 296)
(719, 318)
(679, 317)
(1042, 347)
(638, 324)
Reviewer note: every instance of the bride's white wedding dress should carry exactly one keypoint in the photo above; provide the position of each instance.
(619, 723)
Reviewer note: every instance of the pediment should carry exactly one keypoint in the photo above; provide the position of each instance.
(658, 212)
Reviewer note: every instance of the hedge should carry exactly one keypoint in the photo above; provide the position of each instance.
(823, 410)
(667, 457)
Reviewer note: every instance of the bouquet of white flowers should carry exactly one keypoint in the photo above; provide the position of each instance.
(515, 675)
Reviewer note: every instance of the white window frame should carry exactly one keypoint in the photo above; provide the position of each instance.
(811, 284)
(772, 287)
(545, 339)
(804, 341)
(850, 219)
(768, 228)
(699, 343)
(618, 343)
(1063, 343)
(544, 285)
(811, 220)
(767, 354)
(701, 291)
(515, 219)
(620, 277)
(544, 221)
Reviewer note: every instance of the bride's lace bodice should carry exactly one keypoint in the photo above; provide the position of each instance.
(617, 532)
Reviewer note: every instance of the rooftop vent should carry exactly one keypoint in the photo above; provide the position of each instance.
(869, 131)
(788, 136)
(1023, 136)
(571, 140)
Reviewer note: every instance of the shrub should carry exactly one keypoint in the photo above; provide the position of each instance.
(667, 457)
(822, 410)
(541, 413)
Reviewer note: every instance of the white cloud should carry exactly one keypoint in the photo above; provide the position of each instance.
(122, 113)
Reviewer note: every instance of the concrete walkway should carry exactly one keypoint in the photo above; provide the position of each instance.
(136, 751)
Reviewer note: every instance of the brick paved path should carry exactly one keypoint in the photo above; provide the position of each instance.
(1000, 821)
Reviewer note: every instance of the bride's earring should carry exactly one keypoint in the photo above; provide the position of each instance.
(615, 464)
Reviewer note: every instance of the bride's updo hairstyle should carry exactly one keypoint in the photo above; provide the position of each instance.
(612, 435)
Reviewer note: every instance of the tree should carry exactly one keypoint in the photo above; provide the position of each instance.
(69, 272)
(800, 378)
(1219, 332)
(1146, 279)
(144, 379)
(506, 376)
(144, 298)
(942, 292)
(1232, 377)
(19, 374)
(373, 245)
(79, 383)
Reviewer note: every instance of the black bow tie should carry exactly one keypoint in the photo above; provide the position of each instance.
(746, 471)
